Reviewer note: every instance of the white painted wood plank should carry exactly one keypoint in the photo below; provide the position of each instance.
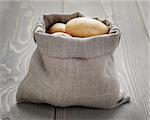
(17, 19)
(144, 8)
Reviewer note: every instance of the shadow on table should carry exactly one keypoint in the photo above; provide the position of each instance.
(32, 111)
(29, 111)
(86, 113)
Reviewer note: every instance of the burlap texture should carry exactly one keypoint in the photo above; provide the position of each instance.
(66, 71)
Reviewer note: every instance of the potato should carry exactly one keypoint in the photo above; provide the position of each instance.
(85, 27)
(57, 27)
(61, 34)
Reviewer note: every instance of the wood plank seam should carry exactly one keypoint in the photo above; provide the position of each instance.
(55, 114)
(142, 19)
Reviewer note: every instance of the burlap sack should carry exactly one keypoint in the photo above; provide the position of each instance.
(67, 71)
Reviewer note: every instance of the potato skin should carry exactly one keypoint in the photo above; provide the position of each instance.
(57, 27)
(61, 34)
(85, 27)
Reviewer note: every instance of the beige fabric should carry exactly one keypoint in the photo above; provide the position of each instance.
(72, 71)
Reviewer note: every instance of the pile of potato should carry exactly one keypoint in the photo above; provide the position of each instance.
(79, 27)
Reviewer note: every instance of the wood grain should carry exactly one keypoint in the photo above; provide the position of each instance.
(144, 8)
(131, 60)
(136, 58)
(17, 19)
(16, 47)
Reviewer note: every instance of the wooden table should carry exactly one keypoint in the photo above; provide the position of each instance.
(17, 19)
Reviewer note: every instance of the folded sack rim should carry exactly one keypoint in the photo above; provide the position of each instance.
(88, 47)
